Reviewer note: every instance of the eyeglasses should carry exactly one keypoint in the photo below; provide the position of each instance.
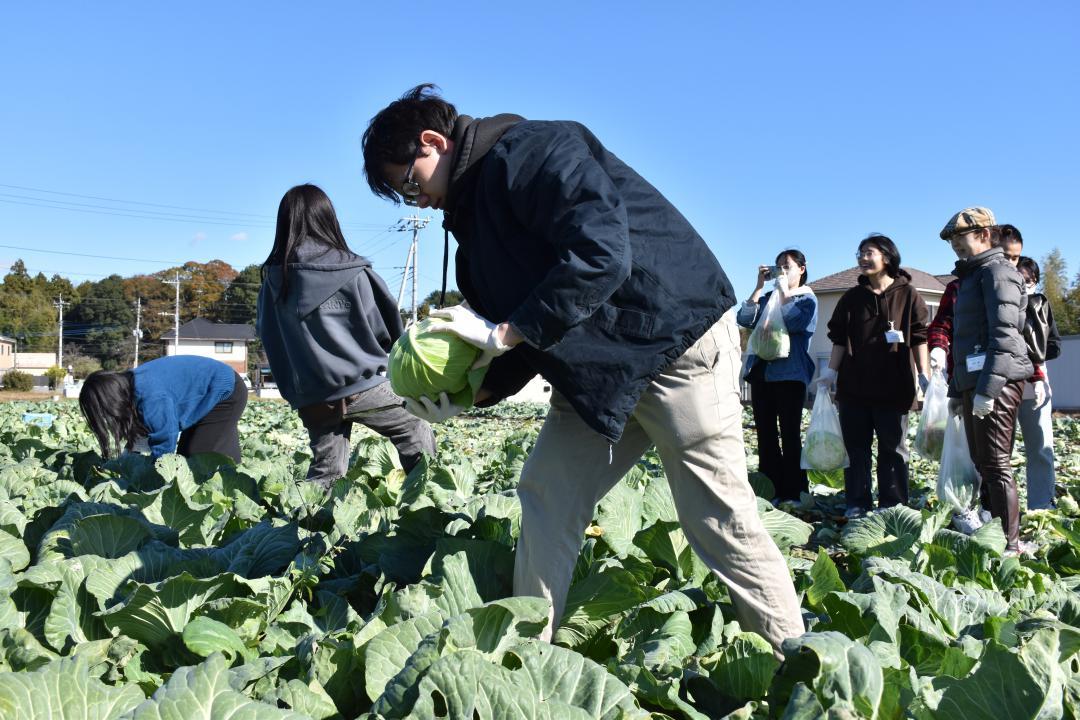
(410, 189)
(868, 254)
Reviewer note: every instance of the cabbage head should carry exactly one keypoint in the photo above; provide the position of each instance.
(771, 343)
(824, 451)
(930, 440)
(426, 363)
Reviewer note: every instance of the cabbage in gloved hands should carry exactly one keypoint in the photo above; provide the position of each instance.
(425, 363)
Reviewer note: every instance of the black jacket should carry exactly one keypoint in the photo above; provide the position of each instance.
(604, 278)
(875, 372)
(1040, 330)
(989, 318)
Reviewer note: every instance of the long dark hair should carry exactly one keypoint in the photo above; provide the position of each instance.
(107, 401)
(305, 214)
(799, 259)
(888, 251)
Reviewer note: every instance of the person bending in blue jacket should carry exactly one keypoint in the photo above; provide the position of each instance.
(778, 386)
(181, 403)
(575, 268)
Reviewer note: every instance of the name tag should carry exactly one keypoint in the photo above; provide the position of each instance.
(894, 336)
(975, 362)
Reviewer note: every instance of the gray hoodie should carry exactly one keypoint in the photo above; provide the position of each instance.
(329, 335)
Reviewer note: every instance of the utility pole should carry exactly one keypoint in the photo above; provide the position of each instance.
(176, 313)
(413, 224)
(59, 304)
(138, 328)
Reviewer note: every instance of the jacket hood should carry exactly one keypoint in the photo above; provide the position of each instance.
(472, 139)
(969, 265)
(903, 278)
(317, 273)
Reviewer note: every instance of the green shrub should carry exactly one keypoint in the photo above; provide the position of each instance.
(18, 381)
(56, 375)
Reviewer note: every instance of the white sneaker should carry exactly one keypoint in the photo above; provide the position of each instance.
(967, 521)
(985, 516)
(854, 512)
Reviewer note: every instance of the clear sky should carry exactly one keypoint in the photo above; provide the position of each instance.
(770, 125)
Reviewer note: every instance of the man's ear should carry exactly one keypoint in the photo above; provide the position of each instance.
(437, 140)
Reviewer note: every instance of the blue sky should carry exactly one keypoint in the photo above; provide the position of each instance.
(769, 125)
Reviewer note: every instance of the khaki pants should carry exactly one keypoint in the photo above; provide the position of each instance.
(692, 413)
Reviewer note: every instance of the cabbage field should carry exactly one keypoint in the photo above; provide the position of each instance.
(196, 590)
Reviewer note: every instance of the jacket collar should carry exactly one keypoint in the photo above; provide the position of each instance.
(472, 140)
(973, 263)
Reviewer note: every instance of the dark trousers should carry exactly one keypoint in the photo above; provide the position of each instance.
(779, 453)
(216, 431)
(990, 441)
(859, 423)
(330, 440)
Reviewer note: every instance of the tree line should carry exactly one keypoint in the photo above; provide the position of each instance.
(99, 315)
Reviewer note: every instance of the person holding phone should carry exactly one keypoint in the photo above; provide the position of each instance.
(778, 387)
(327, 322)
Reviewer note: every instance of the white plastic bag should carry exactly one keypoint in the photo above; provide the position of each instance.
(930, 437)
(824, 447)
(770, 339)
(957, 478)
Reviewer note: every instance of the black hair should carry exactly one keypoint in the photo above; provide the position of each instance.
(1029, 264)
(305, 215)
(888, 249)
(1010, 234)
(393, 135)
(107, 401)
(798, 258)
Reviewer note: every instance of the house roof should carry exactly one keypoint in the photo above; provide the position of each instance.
(847, 279)
(946, 278)
(5, 338)
(203, 329)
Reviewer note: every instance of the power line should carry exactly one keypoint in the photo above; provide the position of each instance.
(260, 217)
(89, 255)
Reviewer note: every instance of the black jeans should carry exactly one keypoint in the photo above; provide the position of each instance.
(779, 453)
(216, 431)
(991, 441)
(859, 423)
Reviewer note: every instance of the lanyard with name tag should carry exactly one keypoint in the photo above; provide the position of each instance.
(893, 335)
(975, 361)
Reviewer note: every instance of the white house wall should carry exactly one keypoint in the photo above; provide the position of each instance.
(1064, 375)
(237, 359)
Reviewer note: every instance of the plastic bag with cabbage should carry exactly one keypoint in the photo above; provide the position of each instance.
(824, 447)
(770, 339)
(424, 363)
(930, 437)
(958, 480)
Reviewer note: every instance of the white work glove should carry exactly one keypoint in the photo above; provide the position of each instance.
(473, 329)
(924, 382)
(938, 359)
(1042, 392)
(981, 406)
(433, 412)
(956, 406)
(827, 379)
(782, 283)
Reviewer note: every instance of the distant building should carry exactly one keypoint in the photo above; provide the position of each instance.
(220, 341)
(829, 289)
(34, 364)
(7, 352)
(1064, 374)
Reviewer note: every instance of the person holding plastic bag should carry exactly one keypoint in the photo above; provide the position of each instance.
(930, 437)
(878, 331)
(778, 381)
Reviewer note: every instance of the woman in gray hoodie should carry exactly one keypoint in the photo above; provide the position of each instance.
(327, 322)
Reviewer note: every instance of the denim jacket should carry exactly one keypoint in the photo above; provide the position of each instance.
(800, 318)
